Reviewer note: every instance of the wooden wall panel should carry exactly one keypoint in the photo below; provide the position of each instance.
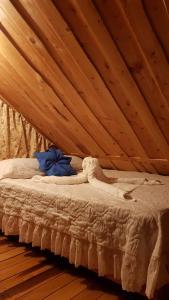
(92, 76)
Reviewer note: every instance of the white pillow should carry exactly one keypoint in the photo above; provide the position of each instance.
(76, 162)
(19, 168)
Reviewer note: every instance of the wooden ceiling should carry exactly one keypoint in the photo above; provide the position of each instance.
(92, 76)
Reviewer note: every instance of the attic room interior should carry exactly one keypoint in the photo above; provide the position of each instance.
(84, 149)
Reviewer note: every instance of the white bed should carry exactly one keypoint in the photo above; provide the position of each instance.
(127, 240)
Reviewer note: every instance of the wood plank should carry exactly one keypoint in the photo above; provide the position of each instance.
(9, 254)
(13, 55)
(158, 15)
(38, 13)
(61, 35)
(160, 163)
(20, 284)
(42, 92)
(45, 20)
(137, 158)
(69, 291)
(92, 293)
(166, 3)
(16, 92)
(16, 269)
(14, 257)
(152, 48)
(82, 15)
(6, 247)
(86, 117)
(128, 45)
(107, 296)
(3, 240)
(50, 286)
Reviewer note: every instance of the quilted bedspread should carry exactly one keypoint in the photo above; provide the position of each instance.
(127, 240)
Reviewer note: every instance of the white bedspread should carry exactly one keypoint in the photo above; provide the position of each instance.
(92, 173)
(127, 240)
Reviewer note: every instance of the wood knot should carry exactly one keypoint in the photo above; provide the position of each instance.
(107, 65)
(32, 40)
(136, 68)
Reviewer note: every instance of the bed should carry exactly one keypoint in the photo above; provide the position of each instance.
(125, 240)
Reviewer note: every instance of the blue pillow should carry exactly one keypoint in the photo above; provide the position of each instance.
(53, 162)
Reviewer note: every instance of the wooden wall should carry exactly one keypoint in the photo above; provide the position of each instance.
(17, 137)
(92, 76)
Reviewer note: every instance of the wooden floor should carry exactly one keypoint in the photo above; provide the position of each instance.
(30, 274)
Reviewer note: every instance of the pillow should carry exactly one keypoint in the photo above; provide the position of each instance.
(19, 168)
(54, 163)
(76, 162)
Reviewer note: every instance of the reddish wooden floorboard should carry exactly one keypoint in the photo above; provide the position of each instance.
(27, 273)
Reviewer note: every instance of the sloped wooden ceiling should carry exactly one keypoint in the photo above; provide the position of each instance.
(92, 76)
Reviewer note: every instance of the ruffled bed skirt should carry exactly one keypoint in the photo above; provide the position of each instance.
(79, 252)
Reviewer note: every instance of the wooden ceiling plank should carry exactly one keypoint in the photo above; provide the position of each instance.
(88, 68)
(151, 48)
(65, 132)
(166, 3)
(63, 117)
(15, 92)
(69, 39)
(87, 26)
(158, 15)
(125, 39)
(38, 12)
(39, 15)
(43, 108)
(37, 44)
(38, 93)
(46, 21)
(111, 145)
(66, 10)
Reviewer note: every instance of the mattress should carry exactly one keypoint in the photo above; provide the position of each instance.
(90, 227)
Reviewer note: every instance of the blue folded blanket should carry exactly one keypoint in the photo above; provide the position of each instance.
(53, 162)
